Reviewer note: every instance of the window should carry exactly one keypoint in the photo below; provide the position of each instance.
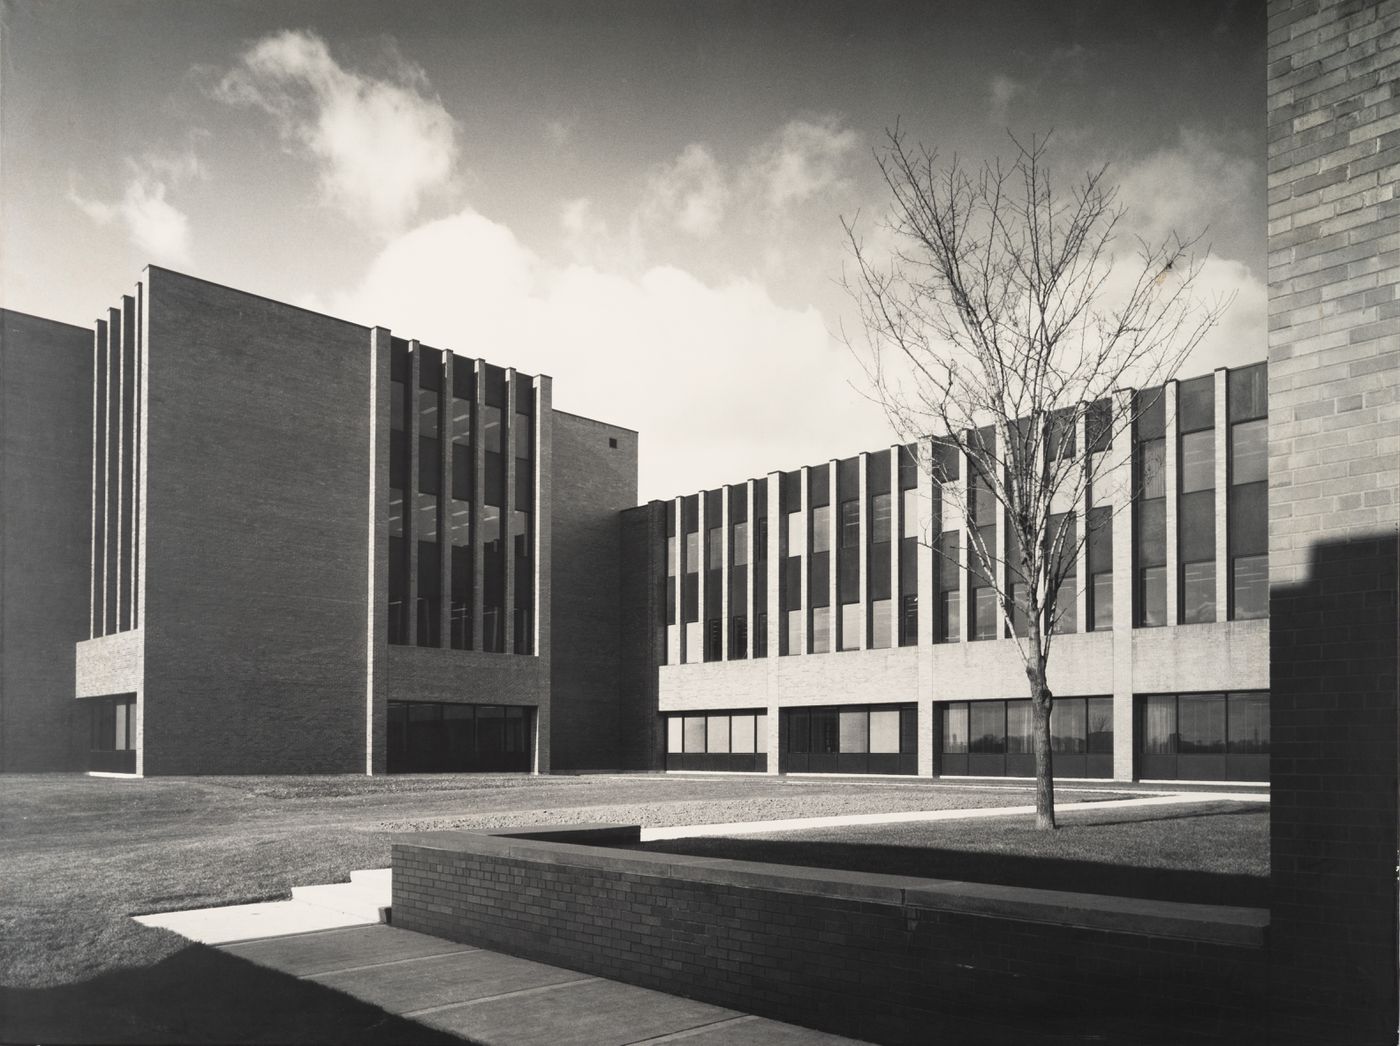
(850, 524)
(880, 624)
(793, 632)
(738, 638)
(1197, 461)
(524, 433)
(675, 734)
(850, 626)
(692, 552)
(910, 511)
(1152, 469)
(1197, 593)
(909, 619)
(985, 616)
(1152, 597)
(880, 518)
(715, 549)
(1250, 587)
(1100, 564)
(491, 435)
(792, 532)
(987, 730)
(1200, 724)
(1067, 734)
(821, 630)
(855, 731)
(951, 614)
(884, 731)
(717, 733)
(743, 736)
(696, 729)
(520, 533)
(1020, 720)
(1211, 736)
(739, 544)
(821, 528)
(1101, 598)
(955, 728)
(712, 639)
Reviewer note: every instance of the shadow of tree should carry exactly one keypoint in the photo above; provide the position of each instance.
(202, 995)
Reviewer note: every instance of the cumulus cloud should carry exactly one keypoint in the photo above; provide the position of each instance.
(803, 159)
(690, 364)
(689, 193)
(1184, 187)
(1002, 92)
(158, 229)
(381, 146)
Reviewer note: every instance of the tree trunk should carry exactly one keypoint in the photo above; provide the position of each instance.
(1041, 702)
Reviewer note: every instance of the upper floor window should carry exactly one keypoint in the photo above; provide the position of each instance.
(850, 524)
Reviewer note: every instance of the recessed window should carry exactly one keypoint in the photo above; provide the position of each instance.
(612, 442)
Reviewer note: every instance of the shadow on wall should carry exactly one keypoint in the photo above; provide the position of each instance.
(1333, 665)
(202, 995)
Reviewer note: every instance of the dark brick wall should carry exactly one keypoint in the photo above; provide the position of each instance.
(45, 534)
(643, 636)
(1334, 372)
(257, 521)
(591, 484)
(885, 972)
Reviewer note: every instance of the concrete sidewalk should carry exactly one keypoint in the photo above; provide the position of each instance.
(501, 1000)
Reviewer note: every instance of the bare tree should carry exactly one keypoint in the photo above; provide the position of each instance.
(1004, 326)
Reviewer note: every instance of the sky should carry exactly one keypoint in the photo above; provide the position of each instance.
(643, 200)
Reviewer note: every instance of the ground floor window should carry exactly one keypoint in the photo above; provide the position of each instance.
(729, 741)
(1203, 737)
(113, 738)
(435, 737)
(850, 739)
(994, 738)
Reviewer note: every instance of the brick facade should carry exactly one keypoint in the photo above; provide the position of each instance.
(872, 956)
(45, 502)
(1334, 436)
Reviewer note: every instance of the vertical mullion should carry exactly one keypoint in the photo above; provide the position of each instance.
(410, 497)
(508, 513)
(478, 501)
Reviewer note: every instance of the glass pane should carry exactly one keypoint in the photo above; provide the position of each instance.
(739, 544)
(850, 524)
(821, 528)
(884, 730)
(1159, 724)
(716, 549)
(1152, 469)
(1100, 718)
(760, 733)
(1197, 593)
(1152, 532)
(1201, 724)
(694, 733)
(1067, 725)
(717, 733)
(1102, 599)
(425, 517)
(911, 528)
(1249, 724)
(1249, 519)
(987, 617)
(674, 733)
(395, 513)
(855, 731)
(850, 626)
(947, 563)
(825, 731)
(794, 631)
(1065, 613)
(799, 731)
(1153, 597)
(954, 729)
(741, 727)
(1249, 452)
(1198, 461)
(491, 429)
(1248, 391)
(1197, 526)
(692, 552)
(1195, 403)
(490, 524)
(880, 518)
(1019, 721)
(524, 434)
(1251, 587)
(952, 616)
(428, 413)
(821, 630)
(987, 729)
(880, 622)
(792, 526)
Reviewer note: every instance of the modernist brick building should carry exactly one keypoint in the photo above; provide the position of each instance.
(310, 546)
(830, 619)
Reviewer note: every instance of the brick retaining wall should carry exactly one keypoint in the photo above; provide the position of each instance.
(879, 957)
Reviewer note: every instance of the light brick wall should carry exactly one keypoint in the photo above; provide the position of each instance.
(1334, 433)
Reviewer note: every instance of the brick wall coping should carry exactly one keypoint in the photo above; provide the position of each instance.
(594, 847)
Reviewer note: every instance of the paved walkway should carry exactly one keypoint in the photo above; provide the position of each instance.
(500, 1000)
(334, 935)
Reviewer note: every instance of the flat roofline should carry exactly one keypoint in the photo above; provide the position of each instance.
(44, 319)
(595, 421)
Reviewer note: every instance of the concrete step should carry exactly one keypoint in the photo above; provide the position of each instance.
(379, 878)
(364, 901)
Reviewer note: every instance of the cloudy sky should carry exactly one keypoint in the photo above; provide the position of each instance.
(642, 199)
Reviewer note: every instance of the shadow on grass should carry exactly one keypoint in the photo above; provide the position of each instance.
(1045, 873)
(202, 995)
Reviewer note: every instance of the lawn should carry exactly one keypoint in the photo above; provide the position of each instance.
(1205, 853)
(80, 855)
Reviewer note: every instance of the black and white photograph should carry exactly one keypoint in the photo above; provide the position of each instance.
(714, 522)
